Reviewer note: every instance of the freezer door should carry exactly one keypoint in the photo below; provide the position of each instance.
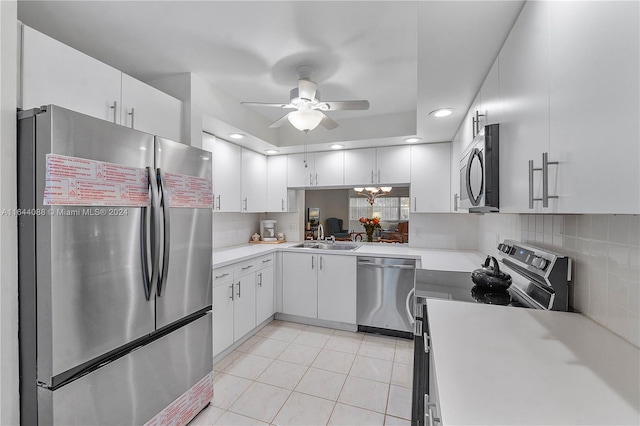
(133, 389)
(186, 241)
(85, 287)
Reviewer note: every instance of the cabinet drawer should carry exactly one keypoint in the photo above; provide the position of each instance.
(222, 275)
(264, 261)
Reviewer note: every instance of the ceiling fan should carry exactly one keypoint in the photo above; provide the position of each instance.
(309, 109)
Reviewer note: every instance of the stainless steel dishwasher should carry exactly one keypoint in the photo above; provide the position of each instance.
(385, 295)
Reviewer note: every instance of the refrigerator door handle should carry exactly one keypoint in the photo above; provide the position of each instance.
(164, 202)
(150, 240)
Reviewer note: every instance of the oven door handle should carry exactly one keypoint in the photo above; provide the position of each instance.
(408, 308)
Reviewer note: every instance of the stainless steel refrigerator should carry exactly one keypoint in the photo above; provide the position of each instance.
(114, 279)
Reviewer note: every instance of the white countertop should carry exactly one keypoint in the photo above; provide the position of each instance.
(440, 260)
(513, 366)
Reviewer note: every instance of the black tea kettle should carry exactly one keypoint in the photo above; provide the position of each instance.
(490, 276)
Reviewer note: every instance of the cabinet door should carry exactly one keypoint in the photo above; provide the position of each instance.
(337, 288)
(222, 317)
(300, 284)
(244, 306)
(277, 184)
(393, 165)
(254, 182)
(359, 165)
(594, 86)
(430, 174)
(490, 96)
(524, 93)
(265, 294)
(329, 168)
(54, 73)
(150, 110)
(300, 173)
(226, 176)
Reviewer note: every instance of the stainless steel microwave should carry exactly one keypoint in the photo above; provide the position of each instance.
(480, 173)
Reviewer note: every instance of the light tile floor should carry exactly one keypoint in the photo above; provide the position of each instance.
(294, 374)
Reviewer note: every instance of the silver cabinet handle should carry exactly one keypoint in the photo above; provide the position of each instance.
(244, 204)
(316, 178)
(372, 181)
(266, 261)
(247, 267)
(231, 287)
(313, 262)
(114, 107)
(310, 179)
(320, 262)
(239, 289)
(222, 276)
(218, 202)
(260, 279)
(478, 115)
(455, 202)
(378, 175)
(545, 180)
(415, 204)
(283, 204)
(132, 114)
(473, 126)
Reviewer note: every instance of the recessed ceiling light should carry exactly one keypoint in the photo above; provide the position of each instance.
(442, 112)
(271, 151)
(236, 135)
(336, 146)
(412, 140)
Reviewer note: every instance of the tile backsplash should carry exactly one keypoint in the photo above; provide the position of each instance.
(230, 229)
(605, 250)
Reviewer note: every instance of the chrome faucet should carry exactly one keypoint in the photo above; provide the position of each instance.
(320, 232)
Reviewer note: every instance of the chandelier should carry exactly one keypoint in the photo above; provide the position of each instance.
(373, 192)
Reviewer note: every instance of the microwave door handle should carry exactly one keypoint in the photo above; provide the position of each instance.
(162, 279)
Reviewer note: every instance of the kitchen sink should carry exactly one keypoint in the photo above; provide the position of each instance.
(327, 246)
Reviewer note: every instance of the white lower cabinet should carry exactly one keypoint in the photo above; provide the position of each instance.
(243, 297)
(265, 294)
(319, 286)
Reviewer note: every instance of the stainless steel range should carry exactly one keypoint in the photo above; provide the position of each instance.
(539, 280)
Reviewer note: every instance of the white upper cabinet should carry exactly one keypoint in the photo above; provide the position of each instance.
(227, 166)
(524, 95)
(359, 166)
(378, 166)
(150, 110)
(254, 182)
(300, 171)
(277, 193)
(594, 87)
(329, 168)
(489, 102)
(54, 73)
(430, 184)
(320, 169)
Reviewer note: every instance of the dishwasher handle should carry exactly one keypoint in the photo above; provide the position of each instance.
(377, 265)
(408, 307)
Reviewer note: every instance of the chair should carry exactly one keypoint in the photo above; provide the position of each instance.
(334, 227)
(401, 235)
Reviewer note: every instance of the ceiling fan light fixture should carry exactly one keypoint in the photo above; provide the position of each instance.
(305, 119)
(441, 112)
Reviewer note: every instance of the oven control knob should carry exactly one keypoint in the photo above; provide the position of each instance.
(506, 249)
(539, 263)
(512, 251)
(501, 247)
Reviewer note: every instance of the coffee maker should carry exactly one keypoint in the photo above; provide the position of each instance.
(268, 230)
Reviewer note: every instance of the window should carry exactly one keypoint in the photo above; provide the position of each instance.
(391, 209)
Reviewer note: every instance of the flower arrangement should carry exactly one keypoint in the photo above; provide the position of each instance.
(370, 225)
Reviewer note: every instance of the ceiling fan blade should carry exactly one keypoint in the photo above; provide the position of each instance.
(280, 121)
(306, 89)
(328, 122)
(265, 104)
(345, 105)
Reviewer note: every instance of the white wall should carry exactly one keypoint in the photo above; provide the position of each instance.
(450, 231)
(332, 203)
(9, 398)
(605, 250)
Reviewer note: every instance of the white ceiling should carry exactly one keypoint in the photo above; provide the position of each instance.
(406, 57)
